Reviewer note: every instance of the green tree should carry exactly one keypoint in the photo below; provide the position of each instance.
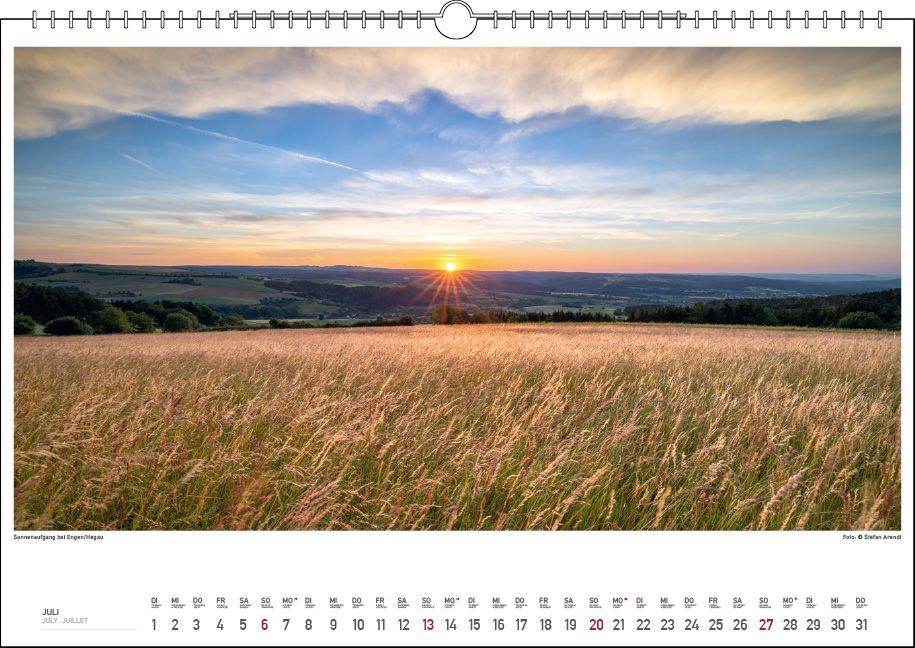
(196, 322)
(44, 304)
(111, 320)
(767, 317)
(67, 325)
(141, 322)
(177, 322)
(24, 325)
(232, 321)
(201, 313)
(861, 320)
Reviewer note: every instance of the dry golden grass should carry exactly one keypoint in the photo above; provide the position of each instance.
(464, 427)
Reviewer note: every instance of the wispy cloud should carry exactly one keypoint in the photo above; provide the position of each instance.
(581, 202)
(66, 88)
(551, 158)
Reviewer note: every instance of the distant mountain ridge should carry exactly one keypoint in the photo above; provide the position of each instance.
(258, 292)
(602, 283)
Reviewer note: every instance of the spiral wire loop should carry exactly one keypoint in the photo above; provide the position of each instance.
(495, 19)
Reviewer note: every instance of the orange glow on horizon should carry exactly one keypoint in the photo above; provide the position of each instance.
(868, 254)
(447, 286)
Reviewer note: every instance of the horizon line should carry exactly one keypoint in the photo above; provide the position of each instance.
(361, 267)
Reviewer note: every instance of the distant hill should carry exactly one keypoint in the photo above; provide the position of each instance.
(598, 283)
(261, 292)
(828, 278)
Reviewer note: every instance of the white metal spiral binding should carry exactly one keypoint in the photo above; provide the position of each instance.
(494, 18)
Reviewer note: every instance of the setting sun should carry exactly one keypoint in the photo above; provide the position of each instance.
(450, 267)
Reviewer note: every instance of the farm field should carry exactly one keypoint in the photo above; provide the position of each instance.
(209, 290)
(572, 426)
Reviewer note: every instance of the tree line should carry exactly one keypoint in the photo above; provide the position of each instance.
(452, 314)
(30, 269)
(875, 310)
(68, 312)
(406, 320)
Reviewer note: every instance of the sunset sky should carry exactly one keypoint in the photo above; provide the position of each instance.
(654, 160)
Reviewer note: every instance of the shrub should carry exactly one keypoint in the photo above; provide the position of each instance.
(196, 322)
(201, 313)
(449, 314)
(67, 325)
(141, 322)
(24, 325)
(232, 321)
(177, 322)
(767, 317)
(111, 320)
(861, 320)
(405, 320)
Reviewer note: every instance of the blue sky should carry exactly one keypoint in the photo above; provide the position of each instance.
(708, 161)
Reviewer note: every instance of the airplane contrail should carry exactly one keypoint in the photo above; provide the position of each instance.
(238, 140)
(143, 164)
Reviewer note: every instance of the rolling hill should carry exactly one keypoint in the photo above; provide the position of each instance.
(355, 291)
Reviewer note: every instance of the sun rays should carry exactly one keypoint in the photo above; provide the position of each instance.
(447, 286)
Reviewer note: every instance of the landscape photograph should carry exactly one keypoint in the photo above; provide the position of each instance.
(475, 289)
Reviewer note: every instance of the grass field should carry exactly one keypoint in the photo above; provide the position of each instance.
(463, 427)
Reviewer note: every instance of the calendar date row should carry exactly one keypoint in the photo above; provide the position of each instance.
(519, 624)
